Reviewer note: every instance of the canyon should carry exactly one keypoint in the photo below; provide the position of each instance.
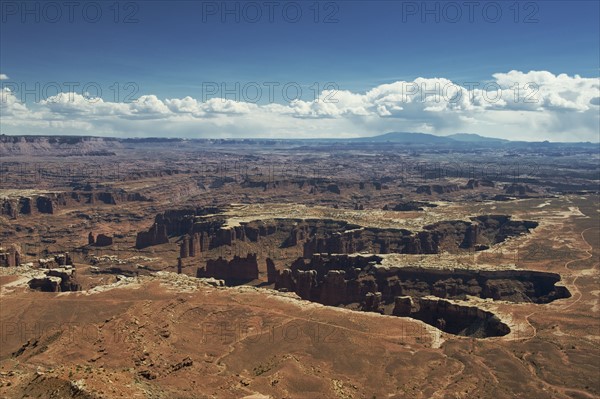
(220, 268)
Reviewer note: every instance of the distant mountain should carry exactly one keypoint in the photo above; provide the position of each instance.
(468, 140)
(475, 138)
(407, 138)
(58, 145)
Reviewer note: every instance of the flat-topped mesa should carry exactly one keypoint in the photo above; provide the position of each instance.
(206, 232)
(102, 240)
(408, 206)
(451, 236)
(10, 256)
(343, 279)
(473, 183)
(235, 271)
(521, 190)
(437, 189)
(48, 203)
(332, 236)
(359, 282)
(505, 285)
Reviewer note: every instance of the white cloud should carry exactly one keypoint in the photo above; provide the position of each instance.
(536, 105)
(3, 76)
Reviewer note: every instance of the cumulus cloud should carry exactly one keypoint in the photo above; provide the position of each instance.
(535, 105)
(3, 76)
(10, 106)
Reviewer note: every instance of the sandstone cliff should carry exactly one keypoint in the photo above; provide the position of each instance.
(237, 270)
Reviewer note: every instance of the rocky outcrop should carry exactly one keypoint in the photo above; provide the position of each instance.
(45, 284)
(55, 261)
(56, 280)
(285, 281)
(48, 203)
(206, 233)
(333, 188)
(518, 189)
(373, 302)
(272, 272)
(474, 183)
(407, 206)
(190, 246)
(437, 189)
(195, 247)
(10, 257)
(9, 208)
(359, 282)
(184, 247)
(306, 282)
(45, 204)
(103, 240)
(431, 189)
(335, 237)
(237, 270)
(155, 236)
(202, 233)
(343, 279)
(506, 285)
(317, 281)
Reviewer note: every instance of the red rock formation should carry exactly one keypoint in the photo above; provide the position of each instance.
(44, 204)
(333, 289)
(403, 306)
(437, 188)
(343, 279)
(9, 208)
(236, 270)
(10, 257)
(285, 281)
(272, 272)
(204, 241)
(195, 245)
(56, 261)
(207, 233)
(518, 189)
(306, 280)
(373, 302)
(184, 247)
(474, 183)
(49, 203)
(45, 284)
(407, 206)
(156, 235)
(56, 280)
(333, 236)
(103, 240)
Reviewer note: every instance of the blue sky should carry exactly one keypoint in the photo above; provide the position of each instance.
(174, 49)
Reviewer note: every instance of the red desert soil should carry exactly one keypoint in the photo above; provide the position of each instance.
(166, 336)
